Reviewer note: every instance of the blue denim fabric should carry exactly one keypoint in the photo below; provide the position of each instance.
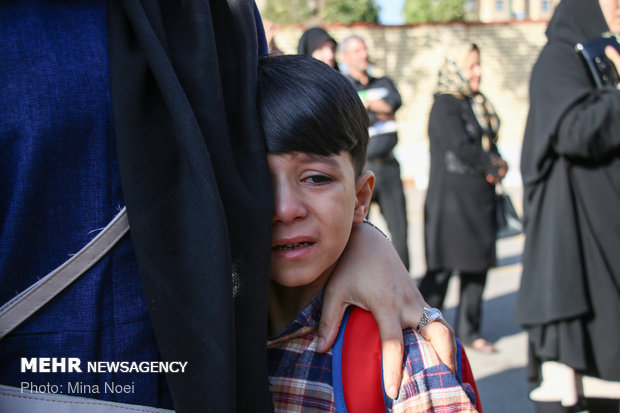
(59, 184)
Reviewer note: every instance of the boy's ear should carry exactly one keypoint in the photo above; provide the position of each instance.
(363, 193)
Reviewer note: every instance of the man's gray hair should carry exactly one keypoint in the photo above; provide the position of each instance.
(343, 45)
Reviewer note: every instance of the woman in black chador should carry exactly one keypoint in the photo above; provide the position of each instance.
(460, 202)
(316, 42)
(569, 300)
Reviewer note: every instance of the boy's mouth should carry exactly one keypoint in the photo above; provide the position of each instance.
(284, 247)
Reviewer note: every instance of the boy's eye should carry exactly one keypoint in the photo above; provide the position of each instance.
(318, 179)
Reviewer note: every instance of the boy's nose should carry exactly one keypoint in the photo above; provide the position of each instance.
(289, 205)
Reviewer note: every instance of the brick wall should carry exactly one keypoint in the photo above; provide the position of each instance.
(411, 56)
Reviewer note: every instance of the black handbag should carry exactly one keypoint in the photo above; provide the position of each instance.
(509, 223)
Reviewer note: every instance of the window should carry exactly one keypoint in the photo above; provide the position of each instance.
(499, 5)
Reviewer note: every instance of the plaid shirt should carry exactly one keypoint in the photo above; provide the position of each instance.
(300, 378)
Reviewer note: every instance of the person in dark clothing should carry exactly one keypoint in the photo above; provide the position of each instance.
(382, 100)
(459, 211)
(316, 42)
(569, 298)
(152, 105)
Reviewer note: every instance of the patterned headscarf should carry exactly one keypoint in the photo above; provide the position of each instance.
(452, 81)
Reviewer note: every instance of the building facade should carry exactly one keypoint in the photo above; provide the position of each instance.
(488, 11)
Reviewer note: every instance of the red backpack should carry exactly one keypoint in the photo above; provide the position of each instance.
(356, 366)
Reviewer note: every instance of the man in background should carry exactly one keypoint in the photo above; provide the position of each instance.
(382, 100)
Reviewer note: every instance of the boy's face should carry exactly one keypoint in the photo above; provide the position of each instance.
(317, 199)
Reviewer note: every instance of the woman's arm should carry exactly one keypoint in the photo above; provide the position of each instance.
(589, 129)
(370, 275)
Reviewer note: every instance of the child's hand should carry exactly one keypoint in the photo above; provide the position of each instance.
(370, 275)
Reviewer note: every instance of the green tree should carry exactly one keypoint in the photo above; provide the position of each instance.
(321, 11)
(350, 11)
(287, 11)
(420, 11)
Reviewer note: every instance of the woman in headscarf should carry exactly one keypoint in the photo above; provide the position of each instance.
(569, 300)
(316, 42)
(459, 210)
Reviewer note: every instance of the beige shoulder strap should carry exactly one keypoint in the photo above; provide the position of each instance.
(29, 301)
(13, 399)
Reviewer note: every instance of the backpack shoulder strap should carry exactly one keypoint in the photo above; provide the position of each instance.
(356, 365)
(465, 373)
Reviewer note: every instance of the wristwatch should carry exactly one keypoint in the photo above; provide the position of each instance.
(429, 315)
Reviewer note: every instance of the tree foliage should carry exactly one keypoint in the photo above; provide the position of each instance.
(283, 11)
(316, 12)
(420, 11)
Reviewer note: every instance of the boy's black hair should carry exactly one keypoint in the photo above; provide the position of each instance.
(304, 105)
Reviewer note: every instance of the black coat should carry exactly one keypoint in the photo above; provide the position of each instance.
(198, 192)
(569, 300)
(459, 210)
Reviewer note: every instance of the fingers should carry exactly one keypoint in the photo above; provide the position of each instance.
(441, 337)
(501, 174)
(392, 350)
(331, 317)
(503, 169)
(613, 55)
(439, 334)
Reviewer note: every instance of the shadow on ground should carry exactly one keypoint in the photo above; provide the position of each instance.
(505, 392)
(511, 260)
(496, 317)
